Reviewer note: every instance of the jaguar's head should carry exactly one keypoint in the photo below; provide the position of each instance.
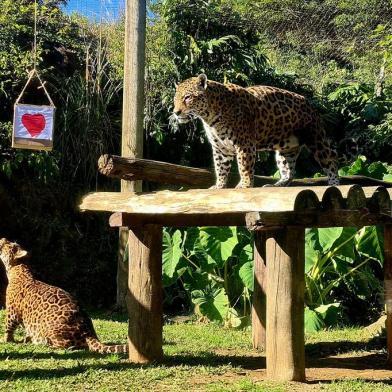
(11, 253)
(190, 98)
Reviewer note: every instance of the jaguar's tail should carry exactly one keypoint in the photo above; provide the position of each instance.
(95, 345)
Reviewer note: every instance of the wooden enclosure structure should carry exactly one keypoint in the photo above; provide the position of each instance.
(278, 216)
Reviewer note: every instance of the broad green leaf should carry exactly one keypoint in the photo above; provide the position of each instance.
(328, 236)
(313, 321)
(246, 275)
(387, 177)
(377, 170)
(232, 319)
(196, 280)
(190, 236)
(219, 242)
(171, 256)
(345, 244)
(329, 313)
(312, 253)
(370, 243)
(214, 304)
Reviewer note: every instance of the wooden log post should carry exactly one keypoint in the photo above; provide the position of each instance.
(259, 293)
(388, 287)
(144, 296)
(285, 347)
(132, 116)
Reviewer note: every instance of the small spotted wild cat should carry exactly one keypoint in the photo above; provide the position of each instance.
(49, 314)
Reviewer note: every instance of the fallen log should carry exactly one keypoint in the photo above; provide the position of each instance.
(133, 169)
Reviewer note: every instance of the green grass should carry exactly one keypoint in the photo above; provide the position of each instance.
(198, 357)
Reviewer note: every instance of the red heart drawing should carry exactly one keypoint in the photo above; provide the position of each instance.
(34, 123)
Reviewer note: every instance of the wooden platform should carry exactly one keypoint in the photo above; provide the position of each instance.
(279, 217)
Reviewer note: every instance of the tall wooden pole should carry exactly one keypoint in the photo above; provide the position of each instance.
(259, 292)
(132, 117)
(388, 287)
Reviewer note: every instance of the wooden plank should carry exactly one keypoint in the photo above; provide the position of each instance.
(285, 347)
(162, 172)
(144, 297)
(259, 302)
(388, 287)
(205, 201)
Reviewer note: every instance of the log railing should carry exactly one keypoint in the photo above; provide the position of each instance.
(133, 169)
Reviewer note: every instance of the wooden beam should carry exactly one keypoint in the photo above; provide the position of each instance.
(388, 287)
(143, 169)
(119, 219)
(259, 293)
(314, 218)
(144, 297)
(208, 201)
(285, 347)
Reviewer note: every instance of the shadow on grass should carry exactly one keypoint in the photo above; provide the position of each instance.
(77, 354)
(367, 361)
(59, 372)
(108, 315)
(324, 349)
(374, 361)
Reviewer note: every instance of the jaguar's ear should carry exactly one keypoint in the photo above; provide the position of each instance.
(202, 81)
(20, 253)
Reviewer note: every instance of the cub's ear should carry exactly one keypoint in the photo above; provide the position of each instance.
(20, 253)
(202, 81)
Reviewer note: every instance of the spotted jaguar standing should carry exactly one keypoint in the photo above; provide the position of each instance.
(49, 314)
(241, 121)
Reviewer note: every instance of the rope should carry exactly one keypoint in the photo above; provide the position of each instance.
(35, 34)
(34, 72)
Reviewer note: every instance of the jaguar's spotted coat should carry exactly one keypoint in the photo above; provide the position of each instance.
(240, 121)
(49, 314)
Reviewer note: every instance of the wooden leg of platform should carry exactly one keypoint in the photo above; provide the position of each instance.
(285, 347)
(388, 287)
(259, 292)
(144, 297)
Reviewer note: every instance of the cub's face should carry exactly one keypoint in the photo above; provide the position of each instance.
(11, 253)
(190, 98)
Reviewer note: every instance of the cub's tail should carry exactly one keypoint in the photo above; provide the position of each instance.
(95, 345)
